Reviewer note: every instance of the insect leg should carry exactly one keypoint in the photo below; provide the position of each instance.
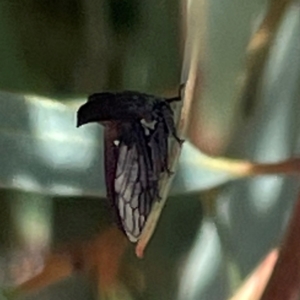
(169, 122)
(178, 98)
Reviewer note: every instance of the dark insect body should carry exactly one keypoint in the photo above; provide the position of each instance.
(136, 131)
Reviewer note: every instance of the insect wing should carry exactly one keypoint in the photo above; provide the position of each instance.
(135, 183)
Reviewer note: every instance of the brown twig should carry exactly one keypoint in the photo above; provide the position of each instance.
(174, 157)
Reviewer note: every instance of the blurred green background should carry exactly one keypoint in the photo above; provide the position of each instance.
(213, 230)
(71, 48)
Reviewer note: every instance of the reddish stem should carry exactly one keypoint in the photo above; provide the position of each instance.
(285, 280)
